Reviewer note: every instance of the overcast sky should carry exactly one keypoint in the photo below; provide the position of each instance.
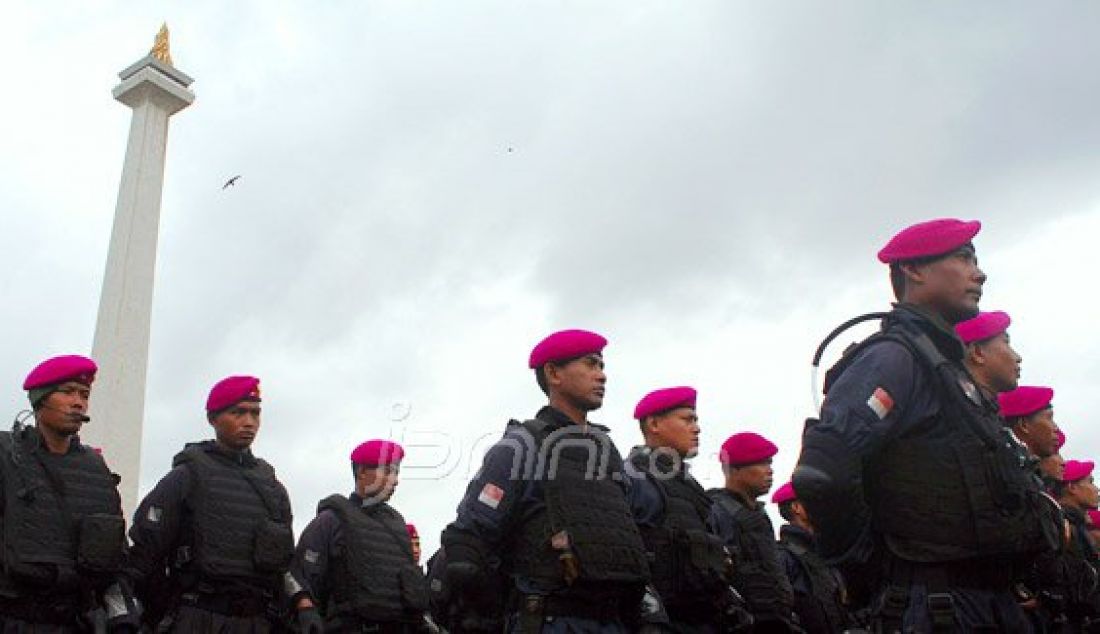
(428, 188)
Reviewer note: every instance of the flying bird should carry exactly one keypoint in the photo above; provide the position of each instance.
(231, 182)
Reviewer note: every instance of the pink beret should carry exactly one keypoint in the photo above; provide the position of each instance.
(232, 390)
(785, 493)
(377, 452)
(1024, 400)
(1094, 517)
(412, 531)
(565, 344)
(71, 367)
(663, 400)
(1077, 470)
(746, 448)
(1061, 439)
(984, 326)
(927, 239)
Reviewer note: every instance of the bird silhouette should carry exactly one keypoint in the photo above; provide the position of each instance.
(231, 182)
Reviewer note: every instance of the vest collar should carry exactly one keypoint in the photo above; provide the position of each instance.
(797, 535)
(663, 464)
(941, 333)
(243, 458)
(558, 419)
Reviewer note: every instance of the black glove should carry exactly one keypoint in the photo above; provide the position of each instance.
(309, 622)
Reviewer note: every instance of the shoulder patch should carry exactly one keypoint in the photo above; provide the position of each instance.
(491, 495)
(880, 402)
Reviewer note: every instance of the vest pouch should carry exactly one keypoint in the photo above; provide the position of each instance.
(29, 573)
(273, 546)
(414, 589)
(100, 543)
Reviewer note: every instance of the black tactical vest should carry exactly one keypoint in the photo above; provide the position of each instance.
(756, 572)
(585, 535)
(376, 578)
(687, 561)
(821, 609)
(240, 529)
(62, 515)
(952, 487)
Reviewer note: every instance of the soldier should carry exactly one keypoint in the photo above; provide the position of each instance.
(1028, 413)
(1053, 466)
(689, 564)
(1077, 493)
(213, 539)
(747, 531)
(907, 475)
(354, 561)
(64, 537)
(414, 537)
(820, 597)
(551, 499)
(1093, 516)
(990, 357)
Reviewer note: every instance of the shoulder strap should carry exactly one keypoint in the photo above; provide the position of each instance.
(727, 502)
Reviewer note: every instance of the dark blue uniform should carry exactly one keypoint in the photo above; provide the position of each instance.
(890, 424)
(757, 575)
(501, 496)
(163, 543)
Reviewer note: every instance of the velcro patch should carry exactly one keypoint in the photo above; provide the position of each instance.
(880, 403)
(491, 495)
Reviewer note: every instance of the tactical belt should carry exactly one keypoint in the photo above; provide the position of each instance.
(56, 613)
(989, 575)
(228, 604)
(379, 627)
(540, 606)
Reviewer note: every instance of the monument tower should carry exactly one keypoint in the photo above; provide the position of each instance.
(155, 89)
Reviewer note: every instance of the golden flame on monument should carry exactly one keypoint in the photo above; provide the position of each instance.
(160, 46)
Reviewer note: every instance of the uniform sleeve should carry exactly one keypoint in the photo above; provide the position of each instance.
(156, 526)
(877, 397)
(645, 501)
(493, 493)
(310, 566)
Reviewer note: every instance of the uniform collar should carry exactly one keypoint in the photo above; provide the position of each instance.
(365, 504)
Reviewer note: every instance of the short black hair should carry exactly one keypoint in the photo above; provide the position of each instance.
(540, 378)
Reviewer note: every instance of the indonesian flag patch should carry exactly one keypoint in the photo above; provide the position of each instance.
(880, 403)
(491, 495)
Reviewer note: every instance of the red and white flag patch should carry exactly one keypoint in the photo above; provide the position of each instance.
(880, 402)
(491, 495)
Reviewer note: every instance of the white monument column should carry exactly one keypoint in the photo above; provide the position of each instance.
(155, 90)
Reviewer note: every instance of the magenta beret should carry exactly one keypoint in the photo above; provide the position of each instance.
(1061, 439)
(70, 367)
(377, 452)
(785, 493)
(1077, 470)
(1094, 517)
(1024, 400)
(746, 448)
(663, 400)
(928, 239)
(984, 326)
(411, 528)
(232, 390)
(565, 344)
